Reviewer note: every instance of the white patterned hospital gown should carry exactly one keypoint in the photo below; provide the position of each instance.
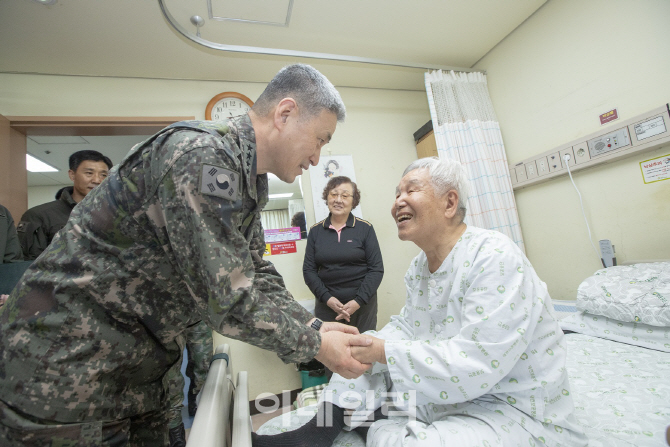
(478, 348)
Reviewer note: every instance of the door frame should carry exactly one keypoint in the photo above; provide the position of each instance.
(13, 144)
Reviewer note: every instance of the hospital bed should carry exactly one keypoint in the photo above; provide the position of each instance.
(222, 418)
(618, 339)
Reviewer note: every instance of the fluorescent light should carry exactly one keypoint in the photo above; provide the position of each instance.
(35, 165)
(280, 196)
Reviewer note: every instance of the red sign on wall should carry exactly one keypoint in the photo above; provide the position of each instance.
(609, 116)
(282, 248)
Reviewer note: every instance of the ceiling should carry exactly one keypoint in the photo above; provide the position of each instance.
(132, 38)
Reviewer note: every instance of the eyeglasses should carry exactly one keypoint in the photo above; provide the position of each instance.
(334, 195)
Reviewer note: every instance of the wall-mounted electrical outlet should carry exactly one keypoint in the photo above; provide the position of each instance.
(581, 152)
(644, 132)
(542, 166)
(564, 152)
(521, 173)
(554, 162)
(531, 170)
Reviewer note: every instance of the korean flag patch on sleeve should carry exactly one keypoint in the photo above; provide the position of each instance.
(219, 182)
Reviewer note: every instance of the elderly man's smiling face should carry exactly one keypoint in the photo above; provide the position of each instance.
(418, 212)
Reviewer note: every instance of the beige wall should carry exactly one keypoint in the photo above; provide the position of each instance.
(377, 133)
(38, 195)
(549, 81)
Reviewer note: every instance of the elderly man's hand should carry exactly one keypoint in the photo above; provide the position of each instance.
(328, 326)
(335, 352)
(375, 352)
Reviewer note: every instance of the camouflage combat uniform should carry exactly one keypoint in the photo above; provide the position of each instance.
(199, 346)
(171, 237)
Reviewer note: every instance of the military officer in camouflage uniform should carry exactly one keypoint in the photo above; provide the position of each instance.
(172, 237)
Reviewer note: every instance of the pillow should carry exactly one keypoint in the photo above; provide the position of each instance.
(638, 293)
(638, 334)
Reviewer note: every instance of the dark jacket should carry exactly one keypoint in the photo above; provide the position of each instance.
(350, 268)
(40, 224)
(10, 248)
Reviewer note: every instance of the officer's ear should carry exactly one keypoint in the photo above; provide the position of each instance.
(286, 110)
(70, 173)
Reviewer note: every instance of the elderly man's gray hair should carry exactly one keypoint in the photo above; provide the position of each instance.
(445, 175)
(312, 91)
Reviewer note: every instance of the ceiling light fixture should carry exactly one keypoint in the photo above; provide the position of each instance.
(35, 165)
(280, 196)
(289, 10)
(46, 2)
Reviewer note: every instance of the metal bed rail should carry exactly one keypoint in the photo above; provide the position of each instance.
(211, 425)
(222, 420)
(241, 415)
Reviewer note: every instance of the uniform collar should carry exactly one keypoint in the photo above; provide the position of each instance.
(66, 196)
(257, 185)
(351, 221)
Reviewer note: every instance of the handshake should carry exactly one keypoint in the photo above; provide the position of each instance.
(348, 353)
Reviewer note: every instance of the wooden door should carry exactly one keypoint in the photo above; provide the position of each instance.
(13, 174)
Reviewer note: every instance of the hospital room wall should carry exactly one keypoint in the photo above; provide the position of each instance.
(377, 133)
(549, 82)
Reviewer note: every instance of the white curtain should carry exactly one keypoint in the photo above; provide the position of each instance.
(466, 129)
(275, 219)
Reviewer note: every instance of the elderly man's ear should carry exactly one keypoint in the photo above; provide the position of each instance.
(451, 204)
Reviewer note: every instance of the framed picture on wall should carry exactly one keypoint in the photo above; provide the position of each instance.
(329, 167)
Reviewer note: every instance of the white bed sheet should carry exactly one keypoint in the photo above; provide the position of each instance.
(621, 391)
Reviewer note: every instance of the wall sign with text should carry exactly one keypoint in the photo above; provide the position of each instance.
(280, 248)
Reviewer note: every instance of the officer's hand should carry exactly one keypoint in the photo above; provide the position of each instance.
(335, 353)
(332, 326)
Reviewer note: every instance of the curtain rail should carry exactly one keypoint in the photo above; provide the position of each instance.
(307, 54)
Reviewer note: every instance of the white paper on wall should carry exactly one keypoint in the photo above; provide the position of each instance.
(328, 167)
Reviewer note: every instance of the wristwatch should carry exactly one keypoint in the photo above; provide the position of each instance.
(316, 324)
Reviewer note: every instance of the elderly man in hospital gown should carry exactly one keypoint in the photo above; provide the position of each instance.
(476, 356)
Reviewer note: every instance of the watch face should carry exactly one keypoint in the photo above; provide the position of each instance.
(226, 108)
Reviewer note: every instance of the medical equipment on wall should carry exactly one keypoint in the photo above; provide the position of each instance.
(642, 133)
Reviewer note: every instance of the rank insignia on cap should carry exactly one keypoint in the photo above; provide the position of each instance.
(219, 182)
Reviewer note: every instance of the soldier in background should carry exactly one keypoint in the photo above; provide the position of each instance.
(172, 237)
(39, 224)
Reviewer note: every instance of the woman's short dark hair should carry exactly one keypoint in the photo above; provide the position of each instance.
(337, 181)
